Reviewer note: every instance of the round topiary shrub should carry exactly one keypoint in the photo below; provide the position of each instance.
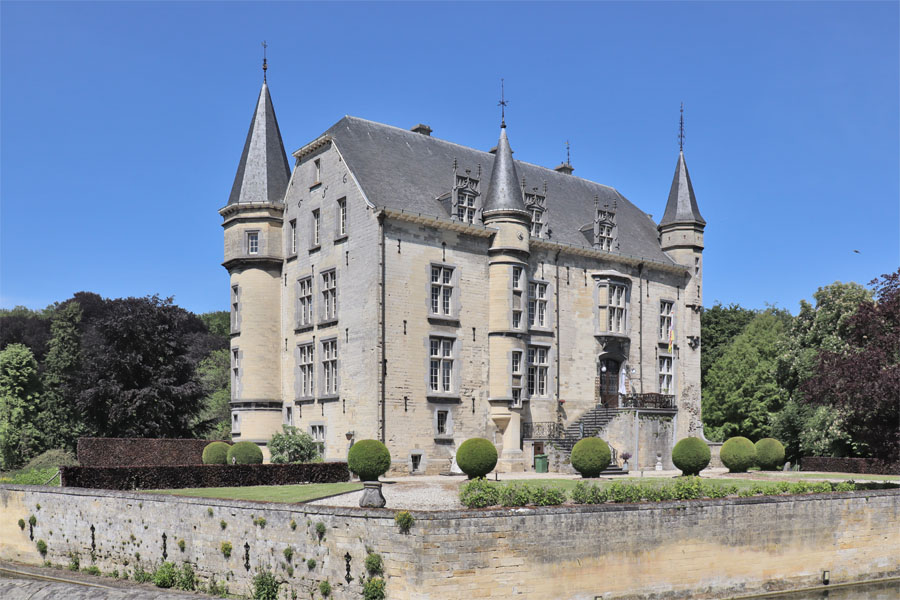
(769, 454)
(244, 453)
(215, 453)
(590, 456)
(369, 459)
(738, 454)
(476, 457)
(691, 455)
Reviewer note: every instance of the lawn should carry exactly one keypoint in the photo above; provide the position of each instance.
(569, 484)
(822, 475)
(268, 493)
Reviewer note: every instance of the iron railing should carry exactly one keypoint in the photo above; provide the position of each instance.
(542, 430)
(651, 400)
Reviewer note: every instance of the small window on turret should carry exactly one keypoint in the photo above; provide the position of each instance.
(696, 265)
(253, 242)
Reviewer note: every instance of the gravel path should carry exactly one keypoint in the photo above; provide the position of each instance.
(418, 495)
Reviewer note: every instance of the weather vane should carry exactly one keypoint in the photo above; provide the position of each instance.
(681, 130)
(568, 158)
(265, 66)
(502, 104)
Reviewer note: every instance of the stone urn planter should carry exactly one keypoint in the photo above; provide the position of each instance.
(372, 496)
(369, 459)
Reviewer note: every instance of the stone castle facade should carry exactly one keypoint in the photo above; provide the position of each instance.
(396, 286)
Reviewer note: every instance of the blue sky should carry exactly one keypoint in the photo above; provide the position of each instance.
(121, 124)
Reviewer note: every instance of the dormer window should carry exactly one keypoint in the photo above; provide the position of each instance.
(465, 208)
(605, 228)
(535, 202)
(465, 196)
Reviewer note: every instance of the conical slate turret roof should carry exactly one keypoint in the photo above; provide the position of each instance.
(682, 204)
(263, 173)
(504, 193)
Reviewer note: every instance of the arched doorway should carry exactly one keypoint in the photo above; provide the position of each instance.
(608, 382)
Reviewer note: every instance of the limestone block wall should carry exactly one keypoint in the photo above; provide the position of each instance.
(643, 434)
(687, 549)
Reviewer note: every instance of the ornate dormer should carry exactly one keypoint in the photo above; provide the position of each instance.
(605, 231)
(536, 204)
(465, 198)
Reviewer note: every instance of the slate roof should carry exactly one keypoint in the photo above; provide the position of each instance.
(682, 204)
(403, 170)
(263, 172)
(504, 193)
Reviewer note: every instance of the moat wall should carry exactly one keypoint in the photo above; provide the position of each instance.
(697, 549)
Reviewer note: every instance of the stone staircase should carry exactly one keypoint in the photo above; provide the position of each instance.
(589, 425)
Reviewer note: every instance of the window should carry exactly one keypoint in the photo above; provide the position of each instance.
(235, 309)
(235, 423)
(517, 297)
(665, 375)
(605, 237)
(537, 304)
(329, 368)
(329, 295)
(517, 278)
(465, 208)
(536, 225)
(289, 416)
(253, 242)
(516, 369)
(315, 227)
(317, 432)
(538, 368)
(442, 290)
(235, 372)
(304, 301)
(306, 376)
(293, 234)
(612, 300)
(318, 166)
(442, 422)
(441, 369)
(342, 216)
(696, 265)
(665, 320)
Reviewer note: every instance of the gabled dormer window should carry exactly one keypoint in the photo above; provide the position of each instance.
(605, 231)
(536, 204)
(465, 198)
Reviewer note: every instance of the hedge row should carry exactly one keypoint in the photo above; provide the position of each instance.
(197, 476)
(139, 452)
(849, 465)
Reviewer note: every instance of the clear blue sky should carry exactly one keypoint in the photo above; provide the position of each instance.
(122, 124)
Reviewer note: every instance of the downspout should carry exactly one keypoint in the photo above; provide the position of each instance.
(558, 329)
(381, 318)
(641, 325)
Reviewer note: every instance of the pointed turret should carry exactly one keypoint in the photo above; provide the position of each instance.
(682, 204)
(504, 194)
(263, 172)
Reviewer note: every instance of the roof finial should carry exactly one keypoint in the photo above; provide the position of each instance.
(265, 65)
(568, 157)
(681, 130)
(502, 104)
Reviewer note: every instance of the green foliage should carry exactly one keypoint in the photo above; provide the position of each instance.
(325, 588)
(32, 477)
(404, 521)
(142, 576)
(165, 575)
(369, 459)
(789, 424)
(293, 446)
(92, 570)
(825, 434)
(59, 420)
(52, 459)
(591, 456)
(288, 553)
(223, 524)
(41, 546)
(32, 520)
(738, 454)
(479, 493)
(215, 589)
(215, 453)
(186, 579)
(22, 524)
(74, 561)
(226, 549)
(181, 545)
(244, 453)
(20, 436)
(320, 529)
(374, 564)
(719, 326)
(769, 454)
(293, 525)
(691, 455)
(741, 390)
(589, 493)
(265, 586)
(373, 589)
(214, 372)
(311, 564)
(260, 522)
(476, 457)
(217, 322)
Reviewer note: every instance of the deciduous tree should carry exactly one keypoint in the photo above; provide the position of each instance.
(20, 438)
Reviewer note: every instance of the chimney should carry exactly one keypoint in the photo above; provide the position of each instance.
(422, 128)
(565, 168)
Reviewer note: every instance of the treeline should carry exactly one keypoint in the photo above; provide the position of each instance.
(825, 382)
(124, 367)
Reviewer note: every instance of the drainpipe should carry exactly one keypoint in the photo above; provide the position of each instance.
(641, 325)
(636, 452)
(558, 355)
(381, 333)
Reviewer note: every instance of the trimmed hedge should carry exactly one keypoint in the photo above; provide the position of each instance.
(691, 455)
(174, 477)
(369, 459)
(872, 466)
(591, 456)
(139, 452)
(738, 454)
(769, 454)
(476, 457)
(216, 453)
(244, 453)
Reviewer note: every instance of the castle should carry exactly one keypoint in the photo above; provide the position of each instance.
(400, 287)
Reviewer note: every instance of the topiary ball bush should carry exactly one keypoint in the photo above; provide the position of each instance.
(369, 459)
(691, 455)
(738, 454)
(476, 457)
(590, 456)
(244, 453)
(769, 454)
(216, 453)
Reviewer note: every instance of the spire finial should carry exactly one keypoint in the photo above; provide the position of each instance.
(502, 104)
(681, 130)
(568, 157)
(265, 65)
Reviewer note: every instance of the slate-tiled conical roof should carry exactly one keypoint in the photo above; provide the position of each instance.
(504, 193)
(263, 172)
(682, 205)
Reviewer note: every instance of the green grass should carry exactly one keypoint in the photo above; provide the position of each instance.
(770, 475)
(30, 476)
(269, 493)
(569, 484)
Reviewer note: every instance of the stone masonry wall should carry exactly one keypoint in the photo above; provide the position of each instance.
(696, 549)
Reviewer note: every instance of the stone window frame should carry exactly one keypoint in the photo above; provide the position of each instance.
(305, 301)
(454, 358)
(518, 289)
(449, 421)
(537, 219)
(545, 301)
(315, 229)
(532, 364)
(340, 218)
(328, 309)
(305, 373)
(422, 462)
(669, 317)
(251, 236)
(325, 360)
(236, 372)
(289, 416)
(318, 431)
(292, 239)
(517, 377)
(606, 279)
(235, 308)
(235, 423)
(467, 207)
(455, 305)
(665, 365)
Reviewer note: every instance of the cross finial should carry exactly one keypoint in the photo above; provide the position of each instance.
(265, 65)
(502, 104)
(681, 130)
(568, 158)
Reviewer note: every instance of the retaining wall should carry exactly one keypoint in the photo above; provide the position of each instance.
(697, 549)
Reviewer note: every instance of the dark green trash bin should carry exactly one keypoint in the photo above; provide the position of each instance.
(541, 463)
